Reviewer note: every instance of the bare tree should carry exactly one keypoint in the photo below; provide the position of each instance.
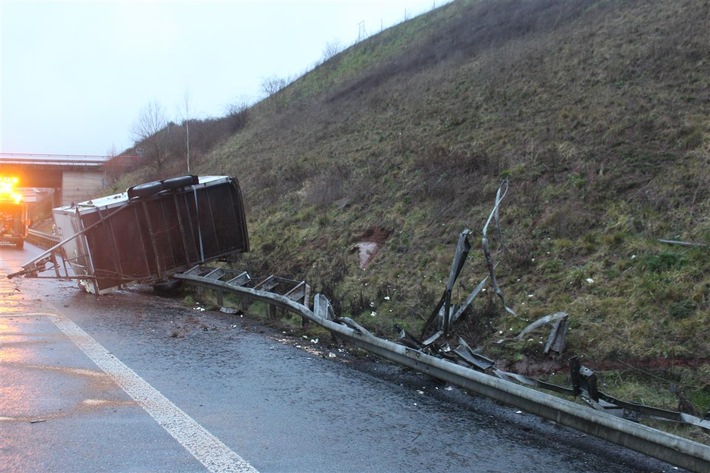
(273, 84)
(332, 49)
(237, 116)
(149, 132)
(111, 165)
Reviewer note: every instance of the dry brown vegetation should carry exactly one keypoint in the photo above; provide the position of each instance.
(596, 111)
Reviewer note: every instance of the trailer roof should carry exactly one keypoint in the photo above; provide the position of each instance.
(118, 199)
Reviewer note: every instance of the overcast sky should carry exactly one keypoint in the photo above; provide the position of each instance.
(75, 75)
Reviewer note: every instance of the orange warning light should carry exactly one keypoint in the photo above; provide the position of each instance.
(7, 192)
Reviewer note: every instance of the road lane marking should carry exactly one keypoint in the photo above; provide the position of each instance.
(205, 447)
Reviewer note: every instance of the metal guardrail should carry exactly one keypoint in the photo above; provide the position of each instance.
(652, 442)
(41, 239)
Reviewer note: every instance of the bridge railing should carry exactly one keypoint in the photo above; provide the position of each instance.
(52, 160)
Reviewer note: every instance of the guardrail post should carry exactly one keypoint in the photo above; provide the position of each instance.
(583, 379)
(245, 303)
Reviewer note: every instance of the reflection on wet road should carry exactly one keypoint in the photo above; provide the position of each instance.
(58, 410)
(280, 407)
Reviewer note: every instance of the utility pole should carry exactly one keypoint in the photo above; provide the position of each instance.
(187, 128)
(187, 143)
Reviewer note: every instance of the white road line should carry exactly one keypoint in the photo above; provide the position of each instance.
(204, 446)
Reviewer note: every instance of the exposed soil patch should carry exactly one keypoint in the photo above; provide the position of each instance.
(369, 244)
(529, 367)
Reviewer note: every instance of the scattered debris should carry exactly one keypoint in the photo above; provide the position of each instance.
(540, 322)
(681, 243)
(420, 351)
(229, 310)
(557, 339)
(473, 358)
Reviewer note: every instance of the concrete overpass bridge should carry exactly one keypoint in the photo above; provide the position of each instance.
(74, 177)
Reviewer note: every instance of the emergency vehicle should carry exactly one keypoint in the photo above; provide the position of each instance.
(13, 214)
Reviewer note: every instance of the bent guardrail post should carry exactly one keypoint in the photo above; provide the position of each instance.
(443, 312)
(652, 442)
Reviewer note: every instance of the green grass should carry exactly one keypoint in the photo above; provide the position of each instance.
(596, 112)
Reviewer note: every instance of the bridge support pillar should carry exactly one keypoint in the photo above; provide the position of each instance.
(78, 186)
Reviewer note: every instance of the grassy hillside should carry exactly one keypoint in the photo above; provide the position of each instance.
(596, 112)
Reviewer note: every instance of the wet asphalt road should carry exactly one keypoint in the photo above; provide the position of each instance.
(264, 401)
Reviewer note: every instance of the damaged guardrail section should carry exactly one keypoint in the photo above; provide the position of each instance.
(432, 353)
(178, 220)
(664, 446)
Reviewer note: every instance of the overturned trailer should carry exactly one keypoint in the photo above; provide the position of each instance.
(147, 233)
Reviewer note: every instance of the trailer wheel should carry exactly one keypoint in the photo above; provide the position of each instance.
(142, 190)
(180, 182)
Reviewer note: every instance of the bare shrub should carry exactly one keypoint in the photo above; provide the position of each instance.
(272, 85)
(174, 140)
(149, 133)
(237, 117)
(331, 50)
(206, 134)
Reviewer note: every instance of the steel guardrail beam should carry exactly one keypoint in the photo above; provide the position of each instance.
(42, 239)
(664, 446)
